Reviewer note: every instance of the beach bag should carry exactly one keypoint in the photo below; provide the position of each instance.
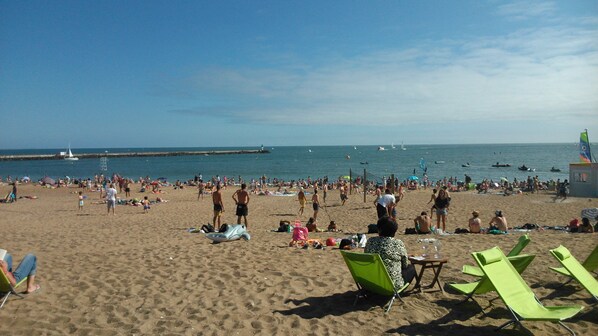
(372, 228)
(285, 226)
(223, 228)
(346, 244)
(460, 230)
(410, 231)
(207, 228)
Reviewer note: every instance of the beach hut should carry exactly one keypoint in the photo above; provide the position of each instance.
(583, 179)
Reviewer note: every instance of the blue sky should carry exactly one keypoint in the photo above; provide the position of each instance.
(245, 73)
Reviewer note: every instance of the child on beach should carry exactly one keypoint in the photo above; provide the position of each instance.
(81, 197)
(302, 201)
(146, 204)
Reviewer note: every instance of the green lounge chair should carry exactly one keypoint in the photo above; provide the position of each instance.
(371, 275)
(6, 288)
(590, 264)
(521, 244)
(576, 270)
(516, 294)
(484, 285)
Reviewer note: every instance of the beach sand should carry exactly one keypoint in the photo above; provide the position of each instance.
(145, 274)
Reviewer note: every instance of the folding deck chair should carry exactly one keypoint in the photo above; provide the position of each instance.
(371, 275)
(6, 289)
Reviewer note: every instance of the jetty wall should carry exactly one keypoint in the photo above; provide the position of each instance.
(129, 154)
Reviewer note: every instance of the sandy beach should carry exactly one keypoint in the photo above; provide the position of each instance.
(145, 274)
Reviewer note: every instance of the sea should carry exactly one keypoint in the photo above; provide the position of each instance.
(300, 162)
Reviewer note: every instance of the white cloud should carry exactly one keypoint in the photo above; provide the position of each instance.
(522, 10)
(541, 75)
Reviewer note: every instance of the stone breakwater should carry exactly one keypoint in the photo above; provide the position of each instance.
(128, 154)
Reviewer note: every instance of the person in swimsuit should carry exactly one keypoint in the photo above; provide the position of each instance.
(218, 206)
(475, 223)
(302, 201)
(315, 200)
(241, 198)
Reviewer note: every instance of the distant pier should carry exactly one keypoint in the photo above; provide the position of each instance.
(129, 154)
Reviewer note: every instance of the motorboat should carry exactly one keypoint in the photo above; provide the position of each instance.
(555, 170)
(523, 168)
(465, 165)
(381, 148)
(501, 165)
(439, 162)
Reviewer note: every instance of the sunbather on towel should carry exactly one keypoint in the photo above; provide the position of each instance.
(26, 268)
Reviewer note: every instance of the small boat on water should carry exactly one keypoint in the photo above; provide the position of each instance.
(68, 156)
(501, 165)
(525, 168)
(363, 162)
(381, 148)
(555, 170)
(439, 162)
(403, 146)
(465, 165)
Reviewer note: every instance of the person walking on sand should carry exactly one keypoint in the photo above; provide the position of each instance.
(315, 200)
(111, 198)
(302, 201)
(343, 192)
(218, 207)
(81, 200)
(241, 198)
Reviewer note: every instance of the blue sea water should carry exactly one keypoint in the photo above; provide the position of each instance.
(299, 162)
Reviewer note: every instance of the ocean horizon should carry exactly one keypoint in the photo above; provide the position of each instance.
(298, 162)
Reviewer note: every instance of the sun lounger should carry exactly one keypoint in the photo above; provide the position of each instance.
(516, 294)
(590, 264)
(521, 244)
(576, 270)
(484, 285)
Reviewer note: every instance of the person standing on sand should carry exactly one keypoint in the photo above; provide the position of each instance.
(343, 192)
(81, 200)
(111, 198)
(14, 191)
(200, 189)
(302, 201)
(324, 191)
(241, 198)
(441, 203)
(218, 207)
(315, 200)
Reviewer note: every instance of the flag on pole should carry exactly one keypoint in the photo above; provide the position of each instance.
(584, 148)
(422, 165)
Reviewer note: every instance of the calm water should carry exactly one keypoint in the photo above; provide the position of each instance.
(300, 162)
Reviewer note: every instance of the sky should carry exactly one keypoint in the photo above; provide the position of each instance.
(105, 74)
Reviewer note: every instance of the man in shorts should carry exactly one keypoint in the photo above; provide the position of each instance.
(241, 198)
(111, 198)
(315, 201)
(218, 206)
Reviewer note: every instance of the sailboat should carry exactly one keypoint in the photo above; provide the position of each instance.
(69, 155)
(403, 146)
(392, 145)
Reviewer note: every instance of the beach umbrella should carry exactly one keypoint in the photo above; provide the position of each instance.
(162, 178)
(413, 178)
(504, 179)
(26, 178)
(48, 180)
